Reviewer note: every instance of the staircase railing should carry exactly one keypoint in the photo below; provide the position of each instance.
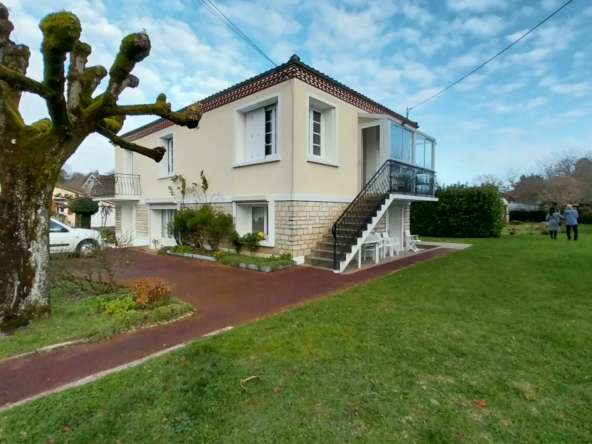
(391, 177)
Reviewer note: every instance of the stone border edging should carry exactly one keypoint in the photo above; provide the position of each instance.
(263, 268)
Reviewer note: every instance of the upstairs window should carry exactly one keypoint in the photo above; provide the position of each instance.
(256, 132)
(166, 167)
(322, 132)
(315, 132)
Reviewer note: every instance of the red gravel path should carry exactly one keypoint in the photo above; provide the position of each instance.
(223, 296)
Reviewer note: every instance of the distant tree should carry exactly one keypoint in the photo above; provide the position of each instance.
(85, 207)
(32, 156)
(526, 189)
(488, 180)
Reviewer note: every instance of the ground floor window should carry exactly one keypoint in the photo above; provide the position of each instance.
(259, 219)
(167, 218)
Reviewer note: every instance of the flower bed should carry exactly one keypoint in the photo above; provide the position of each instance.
(264, 264)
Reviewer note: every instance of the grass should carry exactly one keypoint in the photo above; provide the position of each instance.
(72, 318)
(399, 359)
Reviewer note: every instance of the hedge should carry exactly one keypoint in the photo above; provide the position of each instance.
(529, 216)
(460, 212)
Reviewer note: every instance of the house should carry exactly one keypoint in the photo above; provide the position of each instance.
(60, 203)
(293, 153)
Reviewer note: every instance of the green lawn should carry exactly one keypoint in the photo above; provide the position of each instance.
(400, 359)
(73, 319)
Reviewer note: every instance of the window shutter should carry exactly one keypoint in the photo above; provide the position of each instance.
(255, 134)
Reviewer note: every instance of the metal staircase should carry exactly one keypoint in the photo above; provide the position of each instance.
(338, 247)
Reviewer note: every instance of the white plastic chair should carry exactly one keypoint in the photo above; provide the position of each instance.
(411, 242)
(390, 245)
(369, 250)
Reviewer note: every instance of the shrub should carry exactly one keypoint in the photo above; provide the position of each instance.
(120, 306)
(181, 249)
(543, 228)
(204, 225)
(218, 255)
(251, 242)
(163, 251)
(236, 241)
(460, 212)
(181, 231)
(516, 222)
(514, 230)
(108, 236)
(585, 216)
(150, 291)
(85, 207)
(529, 216)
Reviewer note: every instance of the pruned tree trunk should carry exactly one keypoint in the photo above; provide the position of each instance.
(24, 249)
(31, 156)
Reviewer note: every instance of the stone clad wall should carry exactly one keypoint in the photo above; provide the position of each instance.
(299, 225)
(118, 218)
(141, 220)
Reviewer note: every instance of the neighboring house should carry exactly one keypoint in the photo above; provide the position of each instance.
(60, 203)
(285, 153)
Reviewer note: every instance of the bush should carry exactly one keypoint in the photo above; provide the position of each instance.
(586, 216)
(516, 222)
(108, 236)
(236, 241)
(204, 225)
(163, 251)
(181, 249)
(460, 212)
(514, 230)
(85, 207)
(120, 306)
(251, 242)
(528, 216)
(150, 291)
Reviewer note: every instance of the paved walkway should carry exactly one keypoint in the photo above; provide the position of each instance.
(224, 296)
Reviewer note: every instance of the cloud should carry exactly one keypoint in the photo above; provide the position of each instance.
(575, 89)
(536, 55)
(487, 25)
(548, 81)
(521, 107)
(499, 89)
(510, 131)
(471, 82)
(475, 5)
(419, 73)
(470, 125)
(172, 5)
(550, 4)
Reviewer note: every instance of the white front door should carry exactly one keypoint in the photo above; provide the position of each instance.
(370, 139)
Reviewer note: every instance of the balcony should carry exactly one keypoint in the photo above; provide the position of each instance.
(117, 187)
(411, 179)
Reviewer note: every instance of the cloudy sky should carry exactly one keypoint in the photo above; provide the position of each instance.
(533, 100)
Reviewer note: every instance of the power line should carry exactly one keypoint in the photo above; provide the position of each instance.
(213, 9)
(494, 57)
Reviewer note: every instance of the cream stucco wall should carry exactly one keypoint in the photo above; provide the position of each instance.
(211, 148)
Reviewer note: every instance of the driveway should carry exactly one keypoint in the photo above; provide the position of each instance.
(223, 296)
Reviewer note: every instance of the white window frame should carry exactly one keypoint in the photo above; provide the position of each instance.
(166, 167)
(312, 133)
(239, 130)
(242, 209)
(329, 154)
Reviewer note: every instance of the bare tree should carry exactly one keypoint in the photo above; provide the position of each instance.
(32, 156)
(567, 177)
(488, 179)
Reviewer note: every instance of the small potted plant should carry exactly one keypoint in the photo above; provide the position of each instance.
(261, 235)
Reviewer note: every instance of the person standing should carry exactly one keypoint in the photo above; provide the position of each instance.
(554, 219)
(571, 217)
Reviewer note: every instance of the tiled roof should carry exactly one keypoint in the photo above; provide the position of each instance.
(294, 68)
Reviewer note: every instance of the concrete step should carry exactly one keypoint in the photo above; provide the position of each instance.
(319, 261)
(317, 252)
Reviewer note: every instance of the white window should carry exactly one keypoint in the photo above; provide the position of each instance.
(256, 132)
(322, 132)
(166, 167)
(255, 216)
(315, 132)
(259, 219)
(167, 217)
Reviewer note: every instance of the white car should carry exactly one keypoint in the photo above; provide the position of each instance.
(65, 239)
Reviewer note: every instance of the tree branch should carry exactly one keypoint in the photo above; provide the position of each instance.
(133, 49)
(61, 32)
(189, 118)
(90, 79)
(154, 153)
(78, 59)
